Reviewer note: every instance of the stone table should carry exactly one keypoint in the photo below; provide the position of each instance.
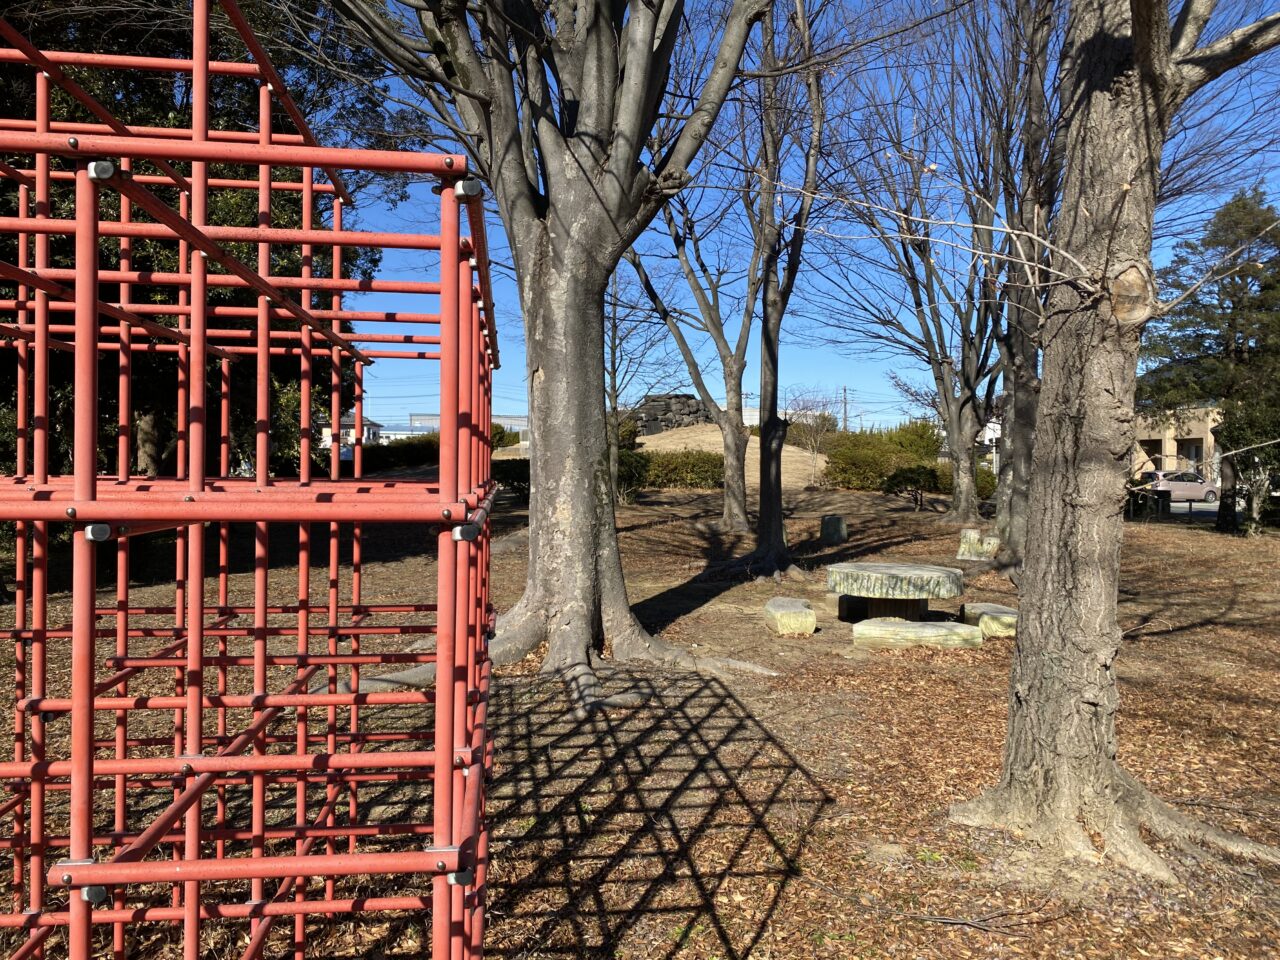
(900, 590)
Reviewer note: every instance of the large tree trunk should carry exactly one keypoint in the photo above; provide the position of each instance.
(1060, 782)
(575, 599)
(574, 595)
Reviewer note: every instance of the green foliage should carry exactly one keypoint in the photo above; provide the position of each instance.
(343, 108)
(912, 479)
(987, 482)
(1216, 343)
(668, 470)
(513, 475)
(684, 470)
(628, 433)
(912, 482)
(1222, 343)
(633, 470)
(864, 459)
(420, 451)
(502, 437)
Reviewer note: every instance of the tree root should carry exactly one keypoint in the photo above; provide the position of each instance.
(1116, 815)
(759, 563)
(519, 632)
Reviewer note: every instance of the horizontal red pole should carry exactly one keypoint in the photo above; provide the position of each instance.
(91, 145)
(159, 279)
(166, 133)
(114, 61)
(279, 236)
(222, 911)
(291, 660)
(231, 701)
(241, 763)
(214, 183)
(431, 860)
(224, 311)
(233, 508)
(271, 833)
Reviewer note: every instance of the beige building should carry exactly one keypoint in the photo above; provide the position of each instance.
(1182, 440)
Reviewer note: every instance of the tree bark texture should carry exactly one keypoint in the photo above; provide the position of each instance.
(735, 439)
(1060, 780)
(962, 428)
(772, 552)
(1017, 439)
(574, 594)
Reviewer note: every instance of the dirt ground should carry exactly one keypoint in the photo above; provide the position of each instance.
(804, 815)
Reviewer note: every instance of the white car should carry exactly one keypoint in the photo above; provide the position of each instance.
(1185, 485)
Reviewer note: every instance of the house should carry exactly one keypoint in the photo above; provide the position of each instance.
(1178, 440)
(371, 434)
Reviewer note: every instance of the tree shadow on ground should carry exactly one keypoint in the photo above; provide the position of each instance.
(640, 824)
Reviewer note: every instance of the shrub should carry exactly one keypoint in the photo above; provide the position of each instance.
(668, 470)
(985, 479)
(864, 460)
(419, 451)
(633, 469)
(513, 475)
(502, 437)
(987, 482)
(913, 483)
(684, 470)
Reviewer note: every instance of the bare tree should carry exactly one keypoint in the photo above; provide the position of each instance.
(1125, 70)
(812, 415)
(792, 120)
(637, 358)
(555, 105)
(738, 242)
(920, 253)
(712, 283)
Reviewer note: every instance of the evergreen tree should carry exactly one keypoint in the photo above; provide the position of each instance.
(1221, 344)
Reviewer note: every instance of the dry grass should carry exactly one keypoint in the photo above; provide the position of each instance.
(799, 467)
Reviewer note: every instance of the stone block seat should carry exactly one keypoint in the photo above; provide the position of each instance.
(895, 590)
(893, 633)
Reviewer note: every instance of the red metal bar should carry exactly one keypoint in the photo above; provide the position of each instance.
(244, 712)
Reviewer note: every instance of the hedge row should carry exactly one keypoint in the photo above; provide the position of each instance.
(870, 459)
(919, 479)
(420, 451)
(864, 459)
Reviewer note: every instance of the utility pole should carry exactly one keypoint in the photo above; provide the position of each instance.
(845, 419)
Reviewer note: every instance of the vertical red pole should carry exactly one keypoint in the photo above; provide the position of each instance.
(198, 382)
(306, 372)
(446, 588)
(84, 600)
(22, 416)
(40, 529)
(463, 550)
(262, 457)
(123, 459)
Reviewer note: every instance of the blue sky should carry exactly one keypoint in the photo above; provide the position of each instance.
(396, 388)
